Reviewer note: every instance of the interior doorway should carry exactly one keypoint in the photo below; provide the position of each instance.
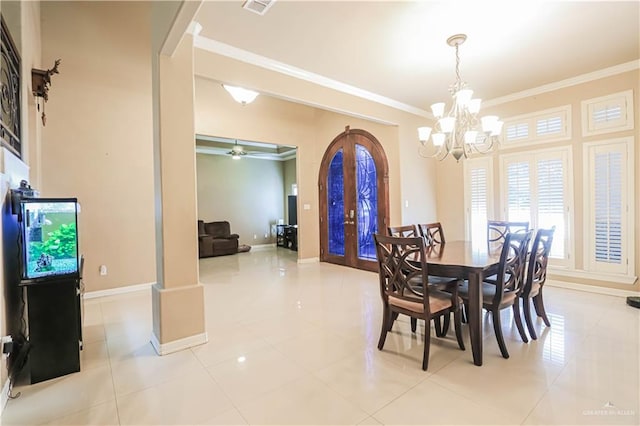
(354, 199)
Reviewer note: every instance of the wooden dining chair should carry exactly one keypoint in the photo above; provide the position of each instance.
(536, 277)
(434, 237)
(432, 232)
(401, 263)
(406, 231)
(497, 231)
(508, 286)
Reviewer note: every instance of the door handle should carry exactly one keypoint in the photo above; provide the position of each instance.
(348, 222)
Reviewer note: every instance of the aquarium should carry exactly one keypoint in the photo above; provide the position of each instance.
(50, 237)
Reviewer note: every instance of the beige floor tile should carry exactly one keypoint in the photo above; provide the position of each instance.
(147, 369)
(104, 414)
(254, 374)
(228, 344)
(189, 399)
(431, 404)
(230, 417)
(59, 397)
(368, 380)
(94, 354)
(305, 401)
(568, 408)
(317, 349)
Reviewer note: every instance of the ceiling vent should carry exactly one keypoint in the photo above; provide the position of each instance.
(258, 6)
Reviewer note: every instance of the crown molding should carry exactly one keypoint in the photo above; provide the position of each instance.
(223, 49)
(573, 81)
(270, 64)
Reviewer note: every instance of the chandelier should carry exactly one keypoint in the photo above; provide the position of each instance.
(460, 132)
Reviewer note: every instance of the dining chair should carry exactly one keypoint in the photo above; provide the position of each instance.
(536, 277)
(505, 292)
(401, 263)
(432, 232)
(497, 231)
(406, 231)
(434, 236)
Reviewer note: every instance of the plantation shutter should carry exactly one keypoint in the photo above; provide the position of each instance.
(518, 192)
(551, 204)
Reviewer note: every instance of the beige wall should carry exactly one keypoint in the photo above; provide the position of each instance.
(247, 192)
(282, 122)
(450, 195)
(97, 144)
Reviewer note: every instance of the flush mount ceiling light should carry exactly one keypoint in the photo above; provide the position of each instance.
(240, 94)
(460, 132)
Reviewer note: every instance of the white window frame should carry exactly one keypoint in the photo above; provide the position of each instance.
(627, 268)
(623, 99)
(531, 121)
(469, 165)
(564, 152)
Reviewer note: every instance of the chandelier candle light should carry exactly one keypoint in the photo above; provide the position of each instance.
(460, 132)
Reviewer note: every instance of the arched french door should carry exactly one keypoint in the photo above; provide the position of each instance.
(354, 199)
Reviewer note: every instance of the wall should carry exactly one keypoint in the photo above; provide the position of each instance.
(450, 194)
(97, 144)
(247, 192)
(276, 121)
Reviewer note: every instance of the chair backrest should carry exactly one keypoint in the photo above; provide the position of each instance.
(538, 259)
(497, 231)
(402, 263)
(432, 232)
(406, 231)
(513, 257)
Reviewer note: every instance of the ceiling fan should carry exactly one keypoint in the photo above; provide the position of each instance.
(237, 151)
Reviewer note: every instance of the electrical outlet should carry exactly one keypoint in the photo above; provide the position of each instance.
(103, 269)
(255, 236)
(266, 235)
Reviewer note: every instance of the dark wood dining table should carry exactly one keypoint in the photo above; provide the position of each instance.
(464, 260)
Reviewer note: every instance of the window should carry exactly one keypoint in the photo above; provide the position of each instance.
(543, 126)
(536, 187)
(478, 175)
(608, 206)
(611, 113)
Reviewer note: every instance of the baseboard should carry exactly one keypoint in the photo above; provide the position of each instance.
(5, 396)
(117, 290)
(592, 288)
(178, 345)
(309, 260)
(263, 246)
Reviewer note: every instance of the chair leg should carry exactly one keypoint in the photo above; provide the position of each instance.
(438, 326)
(414, 324)
(427, 343)
(526, 306)
(445, 324)
(497, 328)
(394, 317)
(386, 320)
(457, 323)
(518, 318)
(539, 305)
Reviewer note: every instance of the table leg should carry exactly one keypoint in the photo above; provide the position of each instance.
(475, 316)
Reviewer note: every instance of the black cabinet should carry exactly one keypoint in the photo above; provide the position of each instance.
(287, 236)
(53, 316)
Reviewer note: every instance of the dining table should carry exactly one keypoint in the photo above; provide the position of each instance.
(466, 261)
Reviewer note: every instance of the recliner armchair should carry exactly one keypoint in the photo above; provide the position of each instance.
(216, 239)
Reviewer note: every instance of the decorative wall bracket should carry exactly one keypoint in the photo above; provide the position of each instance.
(40, 82)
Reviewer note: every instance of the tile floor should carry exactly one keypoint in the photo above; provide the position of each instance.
(296, 344)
